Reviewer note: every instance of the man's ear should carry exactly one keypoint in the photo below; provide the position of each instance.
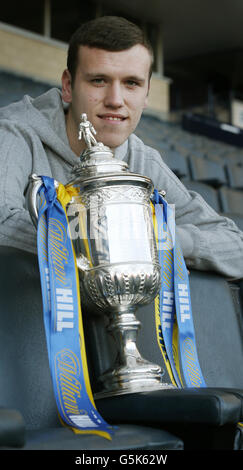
(66, 86)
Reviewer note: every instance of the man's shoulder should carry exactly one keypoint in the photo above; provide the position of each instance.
(20, 111)
(144, 159)
(137, 145)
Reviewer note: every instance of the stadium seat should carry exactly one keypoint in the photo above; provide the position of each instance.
(231, 200)
(208, 193)
(235, 176)
(14, 87)
(212, 197)
(176, 162)
(207, 171)
(26, 385)
(28, 414)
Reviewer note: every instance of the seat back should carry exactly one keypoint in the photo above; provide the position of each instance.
(25, 380)
(231, 200)
(235, 175)
(207, 171)
(176, 161)
(208, 193)
(218, 328)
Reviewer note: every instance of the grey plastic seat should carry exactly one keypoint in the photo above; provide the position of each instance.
(207, 171)
(13, 87)
(176, 161)
(208, 193)
(231, 200)
(235, 175)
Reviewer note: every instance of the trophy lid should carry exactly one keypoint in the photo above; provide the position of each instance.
(96, 159)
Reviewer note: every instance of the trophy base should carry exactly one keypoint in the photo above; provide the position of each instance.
(139, 388)
(143, 378)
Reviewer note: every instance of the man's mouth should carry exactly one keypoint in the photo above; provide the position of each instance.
(112, 117)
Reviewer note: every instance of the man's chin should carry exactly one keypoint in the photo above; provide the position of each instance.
(113, 143)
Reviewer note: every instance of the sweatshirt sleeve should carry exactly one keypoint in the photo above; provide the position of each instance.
(16, 227)
(211, 242)
(208, 240)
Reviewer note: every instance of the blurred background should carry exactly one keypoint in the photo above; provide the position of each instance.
(198, 46)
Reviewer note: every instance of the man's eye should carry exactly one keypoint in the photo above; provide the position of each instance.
(132, 84)
(98, 81)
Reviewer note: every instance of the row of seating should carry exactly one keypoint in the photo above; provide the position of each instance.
(192, 164)
(13, 87)
(172, 419)
(171, 134)
(213, 169)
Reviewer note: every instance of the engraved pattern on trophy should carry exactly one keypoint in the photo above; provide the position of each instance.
(111, 288)
(112, 230)
(123, 193)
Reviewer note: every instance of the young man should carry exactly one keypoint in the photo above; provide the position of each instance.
(107, 77)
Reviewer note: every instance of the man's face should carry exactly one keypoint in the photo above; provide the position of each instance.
(111, 88)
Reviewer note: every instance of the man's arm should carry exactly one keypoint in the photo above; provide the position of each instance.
(211, 242)
(16, 227)
(208, 240)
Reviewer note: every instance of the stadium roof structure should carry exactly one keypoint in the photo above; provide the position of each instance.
(190, 27)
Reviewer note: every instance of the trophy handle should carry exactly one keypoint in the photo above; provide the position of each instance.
(35, 184)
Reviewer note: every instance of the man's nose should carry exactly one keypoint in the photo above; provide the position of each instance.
(114, 96)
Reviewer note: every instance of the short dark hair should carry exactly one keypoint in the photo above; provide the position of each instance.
(111, 33)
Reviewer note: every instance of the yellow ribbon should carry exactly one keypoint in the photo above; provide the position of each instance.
(64, 196)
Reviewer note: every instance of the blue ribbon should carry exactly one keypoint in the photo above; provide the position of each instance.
(175, 302)
(61, 304)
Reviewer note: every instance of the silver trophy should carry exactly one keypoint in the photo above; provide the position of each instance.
(113, 236)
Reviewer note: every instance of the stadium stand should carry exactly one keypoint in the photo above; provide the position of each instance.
(213, 169)
(14, 87)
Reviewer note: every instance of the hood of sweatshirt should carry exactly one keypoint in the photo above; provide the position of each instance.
(44, 116)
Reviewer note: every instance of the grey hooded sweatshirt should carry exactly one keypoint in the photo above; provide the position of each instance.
(33, 139)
